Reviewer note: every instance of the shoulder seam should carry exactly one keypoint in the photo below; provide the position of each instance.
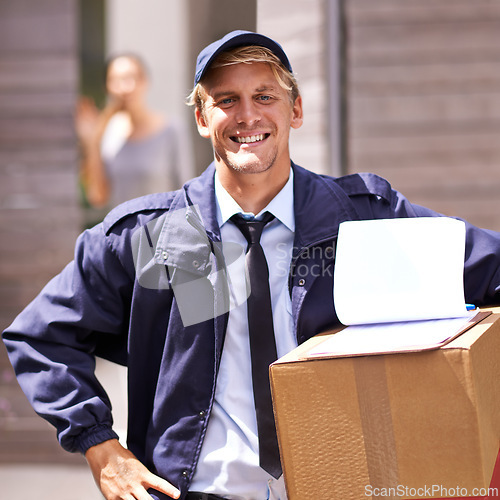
(149, 203)
(366, 184)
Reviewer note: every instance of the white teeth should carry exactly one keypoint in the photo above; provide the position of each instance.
(252, 138)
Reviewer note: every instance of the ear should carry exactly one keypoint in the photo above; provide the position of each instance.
(201, 123)
(297, 113)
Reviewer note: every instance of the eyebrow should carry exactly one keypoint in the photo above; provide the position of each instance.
(265, 88)
(220, 95)
(226, 93)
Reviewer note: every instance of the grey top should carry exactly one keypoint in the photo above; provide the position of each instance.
(148, 165)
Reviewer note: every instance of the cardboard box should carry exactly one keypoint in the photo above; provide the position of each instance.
(405, 425)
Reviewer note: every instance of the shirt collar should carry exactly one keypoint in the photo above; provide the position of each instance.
(281, 206)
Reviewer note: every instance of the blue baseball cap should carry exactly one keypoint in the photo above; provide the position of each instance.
(238, 38)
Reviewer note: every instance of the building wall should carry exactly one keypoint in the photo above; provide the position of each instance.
(39, 218)
(156, 29)
(420, 88)
(423, 101)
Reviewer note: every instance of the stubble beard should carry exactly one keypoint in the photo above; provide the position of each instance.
(254, 166)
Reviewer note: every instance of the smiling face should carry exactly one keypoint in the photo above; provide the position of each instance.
(247, 115)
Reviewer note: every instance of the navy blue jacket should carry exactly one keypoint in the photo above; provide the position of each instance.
(99, 305)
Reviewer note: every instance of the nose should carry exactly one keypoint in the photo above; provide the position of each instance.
(248, 111)
(126, 86)
(122, 86)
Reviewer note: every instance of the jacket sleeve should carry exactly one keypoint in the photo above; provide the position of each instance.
(375, 199)
(482, 260)
(53, 342)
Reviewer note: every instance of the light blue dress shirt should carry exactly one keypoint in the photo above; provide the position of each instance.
(229, 461)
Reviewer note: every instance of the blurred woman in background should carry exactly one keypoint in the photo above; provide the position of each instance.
(127, 149)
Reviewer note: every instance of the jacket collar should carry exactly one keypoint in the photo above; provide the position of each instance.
(200, 192)
(320, 205)
(190, 227)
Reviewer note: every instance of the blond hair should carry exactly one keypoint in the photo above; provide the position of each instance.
(248, 55)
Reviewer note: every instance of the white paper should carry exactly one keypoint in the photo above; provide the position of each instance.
(393, 270)
(391, 337)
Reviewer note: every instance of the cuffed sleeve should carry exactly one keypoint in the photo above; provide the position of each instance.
(94, 436)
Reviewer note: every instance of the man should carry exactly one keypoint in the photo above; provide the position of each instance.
(159, 286)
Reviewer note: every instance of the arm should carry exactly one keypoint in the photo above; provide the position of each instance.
(482, 254)
(52, 343)
(52, 346)
(120, 475)
(375, 199)
(90, 125)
